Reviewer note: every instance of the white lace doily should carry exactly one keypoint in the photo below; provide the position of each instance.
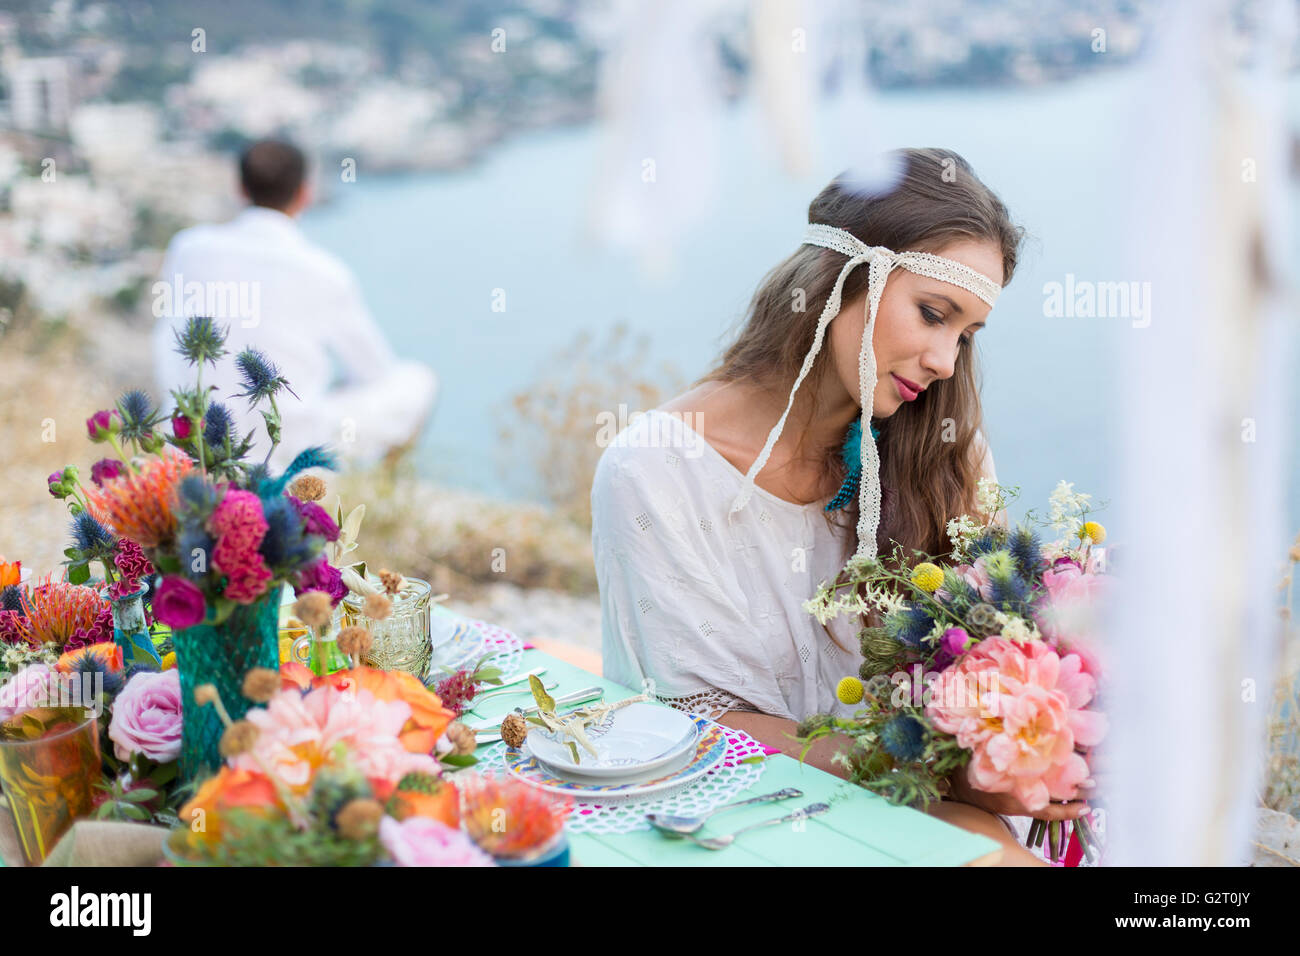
(718, 786)
(509, 647)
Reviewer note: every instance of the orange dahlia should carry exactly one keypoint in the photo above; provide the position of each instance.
(141, 505)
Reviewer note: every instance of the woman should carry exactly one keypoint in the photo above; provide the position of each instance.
(712, 526)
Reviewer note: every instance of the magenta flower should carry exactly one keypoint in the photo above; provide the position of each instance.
(131, 561)
(239, 525)
(952, 645)
(316, 520)
(181, 427)
(106, 469)
(322, 576)
(102, 424)
(55, 483)
(178, 603)
(147, 717)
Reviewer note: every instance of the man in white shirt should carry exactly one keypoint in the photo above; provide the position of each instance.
(300, 305)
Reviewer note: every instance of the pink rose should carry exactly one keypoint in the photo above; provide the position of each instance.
(419, 841)
(30, 687)
(178, 603)
(181, 427)
(147, 717)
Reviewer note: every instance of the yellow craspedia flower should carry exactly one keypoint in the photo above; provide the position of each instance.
(849, 690)
(928, 577)
(169, 660)
(1094, 531)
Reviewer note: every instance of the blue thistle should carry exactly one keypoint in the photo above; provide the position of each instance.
(91, 536)
(1008, 593)
(1025, 548)
(216, 425)
(11, 599)
(201, 340)
(909, 626)
(196, 495)
(285, 544)
(261, 377)
(984, 544)
(193, 537)
(903, 738)
(315, 457)
(88, 665)
(139, 413)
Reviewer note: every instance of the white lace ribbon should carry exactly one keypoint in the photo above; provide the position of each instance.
(881, 262)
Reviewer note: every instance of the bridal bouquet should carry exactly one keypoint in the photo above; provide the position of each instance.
(986, 667)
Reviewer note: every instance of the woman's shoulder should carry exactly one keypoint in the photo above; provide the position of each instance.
(658, 457)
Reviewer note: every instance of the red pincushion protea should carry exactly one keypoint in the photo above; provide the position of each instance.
(142, 505)
(64, 615)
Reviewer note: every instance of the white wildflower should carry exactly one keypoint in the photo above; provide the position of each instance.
(961, 531)
(1066, 507)
(989, 497)
(1016, 628)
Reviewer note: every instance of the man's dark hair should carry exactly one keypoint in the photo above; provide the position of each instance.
(272, 172)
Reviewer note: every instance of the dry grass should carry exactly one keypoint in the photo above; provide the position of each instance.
(557, 421)
(52, 378)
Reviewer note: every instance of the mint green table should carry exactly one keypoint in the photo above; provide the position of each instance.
(861, 829)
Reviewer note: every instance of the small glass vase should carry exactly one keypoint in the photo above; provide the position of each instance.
(48, 775)
(130, 632)
(321, 655)
(221, 654)
(402, 642)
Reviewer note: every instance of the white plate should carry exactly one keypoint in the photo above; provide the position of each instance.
(631, 742)
(671, 767)
(710, 751)
(457, 642)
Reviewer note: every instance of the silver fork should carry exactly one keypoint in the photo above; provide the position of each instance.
(722, 842)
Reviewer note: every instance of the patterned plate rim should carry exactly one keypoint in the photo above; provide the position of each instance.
(711, 750)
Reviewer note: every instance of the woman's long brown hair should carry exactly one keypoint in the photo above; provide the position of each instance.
(928, 461)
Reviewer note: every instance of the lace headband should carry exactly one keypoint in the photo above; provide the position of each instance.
(881, 261)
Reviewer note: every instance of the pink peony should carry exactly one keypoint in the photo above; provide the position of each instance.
(1067, 615)
(977, 577)
(147, 717)
(30, 687)
(296, 732)
(179, 603)
(420, 841)
(240, 526)
(1019, 709)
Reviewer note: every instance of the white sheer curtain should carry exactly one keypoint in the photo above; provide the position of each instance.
(1202, 508)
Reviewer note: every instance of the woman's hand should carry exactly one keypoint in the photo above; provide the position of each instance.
(1007, 805)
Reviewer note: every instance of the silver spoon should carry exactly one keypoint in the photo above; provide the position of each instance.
(722, 842)
(684, 826)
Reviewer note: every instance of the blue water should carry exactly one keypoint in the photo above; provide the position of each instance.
(430, 249)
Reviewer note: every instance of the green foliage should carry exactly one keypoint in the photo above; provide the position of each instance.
(253, 838)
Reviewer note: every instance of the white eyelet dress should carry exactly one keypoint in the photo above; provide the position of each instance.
(705, 615)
